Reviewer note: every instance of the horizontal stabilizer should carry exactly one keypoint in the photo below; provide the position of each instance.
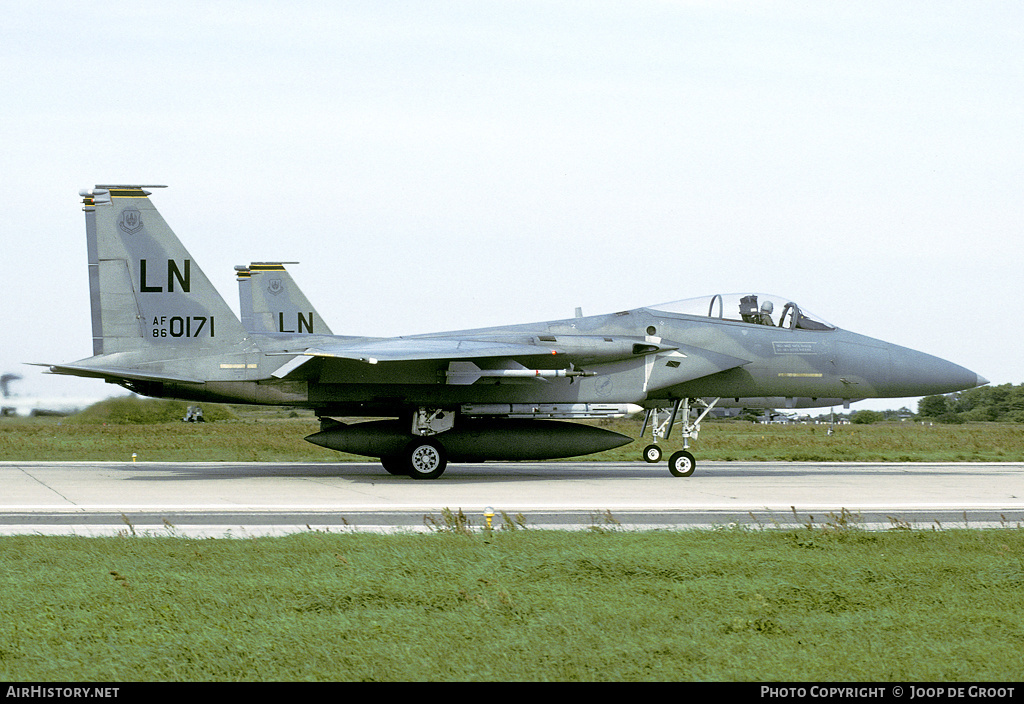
(117, 373)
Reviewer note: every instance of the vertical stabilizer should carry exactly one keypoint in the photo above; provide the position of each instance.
(271, 301)
(145, 288)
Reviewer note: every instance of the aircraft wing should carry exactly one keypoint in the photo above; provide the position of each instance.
(418, 349)
(410, 350)
(685, 362)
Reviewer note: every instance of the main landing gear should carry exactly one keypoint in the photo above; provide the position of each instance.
(661, 419)
(423, 457)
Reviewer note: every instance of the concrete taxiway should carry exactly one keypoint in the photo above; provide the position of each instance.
(248, 499)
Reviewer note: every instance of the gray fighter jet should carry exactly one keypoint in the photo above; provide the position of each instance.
(161, 329)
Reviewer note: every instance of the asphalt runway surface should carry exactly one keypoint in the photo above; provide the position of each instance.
(251, 499)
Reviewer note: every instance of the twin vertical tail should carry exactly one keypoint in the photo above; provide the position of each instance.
(271, 302)
(146, 290)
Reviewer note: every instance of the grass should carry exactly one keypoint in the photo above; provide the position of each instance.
(826, 603)
(257, 434)
(259, 440)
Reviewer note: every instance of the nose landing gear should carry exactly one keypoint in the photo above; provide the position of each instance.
(661, 419)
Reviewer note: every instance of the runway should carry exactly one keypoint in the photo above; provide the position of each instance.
(252, 499)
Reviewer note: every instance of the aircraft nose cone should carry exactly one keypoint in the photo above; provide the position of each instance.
(918, 374)
(881, 369)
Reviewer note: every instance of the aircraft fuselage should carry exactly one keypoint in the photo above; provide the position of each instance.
(826, 365)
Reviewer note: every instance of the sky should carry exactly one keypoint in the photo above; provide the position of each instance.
(449, 165)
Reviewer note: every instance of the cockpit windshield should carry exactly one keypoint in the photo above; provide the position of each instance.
(753, 308)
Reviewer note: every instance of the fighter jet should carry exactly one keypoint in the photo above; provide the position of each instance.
(161, 329)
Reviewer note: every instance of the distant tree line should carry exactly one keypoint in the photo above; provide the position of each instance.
(1003, 403)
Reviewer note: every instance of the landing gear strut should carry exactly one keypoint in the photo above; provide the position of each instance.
(661, 419)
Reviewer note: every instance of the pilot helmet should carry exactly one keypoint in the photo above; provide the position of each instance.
(767, 307)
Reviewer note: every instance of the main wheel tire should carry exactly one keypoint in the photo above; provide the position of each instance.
(681, 464)
(425, 459)
(652, 454)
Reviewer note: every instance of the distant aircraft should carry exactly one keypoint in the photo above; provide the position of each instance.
(161, 329)
(12, 404)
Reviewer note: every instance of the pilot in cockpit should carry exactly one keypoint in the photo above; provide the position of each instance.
(749, 312)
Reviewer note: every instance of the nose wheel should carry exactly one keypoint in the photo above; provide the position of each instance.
(681, 464)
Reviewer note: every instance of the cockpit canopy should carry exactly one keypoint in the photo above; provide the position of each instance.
(753, 308)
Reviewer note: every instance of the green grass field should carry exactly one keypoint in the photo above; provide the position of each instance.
(831, 603)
